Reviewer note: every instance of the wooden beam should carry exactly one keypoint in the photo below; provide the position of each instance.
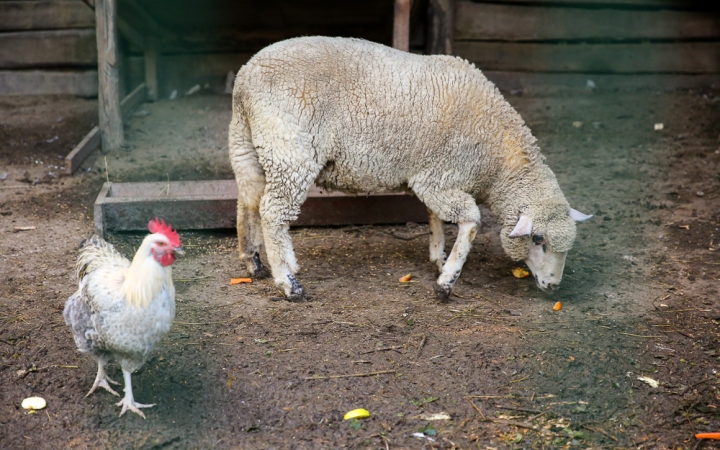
(109, 117)
(48, 82)
(553, 83)
(131, 34)
(680, 58)
(676, 4)
(92, 140)
(213, 205)
(401, 25)
(81, 151)
(441, 24)
(150, 57)
(483, 21)
(45, 15)
(148, 21)
(33, 49)
(181, 72)
(133, 99)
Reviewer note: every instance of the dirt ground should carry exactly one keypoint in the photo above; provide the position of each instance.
(640, 299)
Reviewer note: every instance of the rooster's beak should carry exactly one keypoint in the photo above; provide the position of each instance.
(178, 251)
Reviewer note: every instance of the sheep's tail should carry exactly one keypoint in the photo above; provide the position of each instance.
(249, 174)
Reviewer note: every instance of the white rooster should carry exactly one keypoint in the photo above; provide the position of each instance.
(122, 309)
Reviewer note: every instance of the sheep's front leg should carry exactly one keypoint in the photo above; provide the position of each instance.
(451, 206)
(437, 240)
(454, 264)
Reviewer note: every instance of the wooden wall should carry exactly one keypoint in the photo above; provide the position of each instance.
(201, 41)
(620, 42)
(47, 47)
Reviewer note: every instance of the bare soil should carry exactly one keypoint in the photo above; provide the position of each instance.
(640, 299)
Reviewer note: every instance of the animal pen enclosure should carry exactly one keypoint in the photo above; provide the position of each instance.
(496, 366)
(155, 49)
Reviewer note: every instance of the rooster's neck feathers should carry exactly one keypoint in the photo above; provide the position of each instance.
(145, 278)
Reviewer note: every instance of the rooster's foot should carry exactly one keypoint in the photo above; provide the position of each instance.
(101, 380)
(129, 403)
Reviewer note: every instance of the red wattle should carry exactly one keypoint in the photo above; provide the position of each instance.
(167, 259)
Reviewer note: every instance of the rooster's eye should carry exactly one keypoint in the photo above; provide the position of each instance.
(161, 244)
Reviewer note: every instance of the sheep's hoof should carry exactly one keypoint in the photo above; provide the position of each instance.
(442, 292)
(297, 293)
(259, 271)
(297, 298)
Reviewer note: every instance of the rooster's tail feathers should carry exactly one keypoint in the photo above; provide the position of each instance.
(92, 250)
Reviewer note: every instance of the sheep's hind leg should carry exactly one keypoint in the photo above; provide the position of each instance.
(279, 206)
(250, 239)
(250, 178)
(437, 240)
(460, 207)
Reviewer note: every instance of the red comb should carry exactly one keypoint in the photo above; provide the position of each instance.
(159, 226)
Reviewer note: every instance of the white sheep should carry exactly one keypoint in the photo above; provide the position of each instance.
(356, 116)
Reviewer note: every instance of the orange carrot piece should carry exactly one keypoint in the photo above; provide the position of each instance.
(406, 278)
(714, 435)
(558, 306)
(240, 280)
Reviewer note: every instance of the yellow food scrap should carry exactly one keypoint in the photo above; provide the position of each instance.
(34, 403)
(357, 414)
(519, 272)
(240, 280)
(558, 306)
(406, 278)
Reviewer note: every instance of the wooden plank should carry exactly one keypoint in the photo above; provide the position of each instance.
(150, 57)
(109, 117)
(401, 25)
(44, 82)
(45, 15)
(181, 72)
(98, 222)
(674, 4)
(144, 19)
(212, 205)
(92, 140)
(553, 83)
(441, 25)
(133, 99)
(81, 151)
(68, 48)
(131, 34)
(481, 21)
(681, 58)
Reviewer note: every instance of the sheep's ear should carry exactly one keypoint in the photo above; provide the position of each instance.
(577, 216)
(523, 227)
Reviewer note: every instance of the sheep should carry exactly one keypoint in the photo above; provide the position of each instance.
(356, 116)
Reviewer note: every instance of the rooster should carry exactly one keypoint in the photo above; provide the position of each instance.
(121, 308)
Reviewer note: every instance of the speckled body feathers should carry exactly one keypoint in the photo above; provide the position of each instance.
(102, 321)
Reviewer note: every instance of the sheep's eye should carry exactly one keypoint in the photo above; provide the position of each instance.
(538, 239)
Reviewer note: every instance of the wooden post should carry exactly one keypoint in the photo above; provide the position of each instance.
(151, 78)
(401, 25)
(110, 119)
(441, 23)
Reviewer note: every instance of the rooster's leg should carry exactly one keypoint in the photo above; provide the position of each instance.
(101, 380)
(128, 402)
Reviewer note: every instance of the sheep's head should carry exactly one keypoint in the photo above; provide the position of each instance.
(542, 237)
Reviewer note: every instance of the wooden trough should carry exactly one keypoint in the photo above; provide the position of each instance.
(197, 205)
